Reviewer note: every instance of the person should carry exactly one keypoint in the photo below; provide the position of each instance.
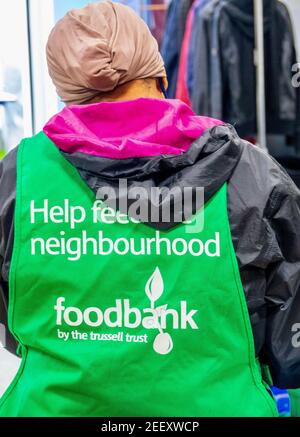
(120, 312)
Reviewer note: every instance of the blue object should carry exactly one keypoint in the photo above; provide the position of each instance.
(162, 86)
(283, 401)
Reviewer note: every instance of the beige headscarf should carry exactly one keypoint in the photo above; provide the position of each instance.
(96, 48)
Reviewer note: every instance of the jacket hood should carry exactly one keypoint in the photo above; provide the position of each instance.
(150, 143)
(142, 127)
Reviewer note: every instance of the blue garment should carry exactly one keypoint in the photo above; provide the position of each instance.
(172, 42)
(216, 88)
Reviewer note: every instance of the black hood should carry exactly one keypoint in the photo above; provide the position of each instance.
(209, 163)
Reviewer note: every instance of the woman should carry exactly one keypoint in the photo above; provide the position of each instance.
(117, 311)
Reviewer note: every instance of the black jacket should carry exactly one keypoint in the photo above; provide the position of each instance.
(264, 213)
(224, 73)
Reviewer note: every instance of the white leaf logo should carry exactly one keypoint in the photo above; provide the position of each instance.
(163, 344)
(161, 310)
(155, 286)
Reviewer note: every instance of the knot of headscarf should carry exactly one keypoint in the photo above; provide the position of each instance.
(94, 49)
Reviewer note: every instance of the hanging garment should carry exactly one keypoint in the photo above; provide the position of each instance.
(124, 345)
(199, 64)
(171, 146)
(172, 42)
(227, 86)
(216, 87)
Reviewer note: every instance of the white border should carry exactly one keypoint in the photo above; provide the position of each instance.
(45, 101)
(26, 79)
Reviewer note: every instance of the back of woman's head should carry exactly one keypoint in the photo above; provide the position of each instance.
(95, 49)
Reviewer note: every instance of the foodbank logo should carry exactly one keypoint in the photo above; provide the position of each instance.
(163, 343)
(124, 315)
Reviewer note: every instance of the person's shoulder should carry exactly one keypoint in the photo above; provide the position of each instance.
(258, 176)
(8, 163)
(265, 165)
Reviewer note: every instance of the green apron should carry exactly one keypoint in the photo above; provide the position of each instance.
(119, 331)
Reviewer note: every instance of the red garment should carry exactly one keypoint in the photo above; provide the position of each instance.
(182, 92)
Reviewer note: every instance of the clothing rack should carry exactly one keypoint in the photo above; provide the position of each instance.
(259, 59)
